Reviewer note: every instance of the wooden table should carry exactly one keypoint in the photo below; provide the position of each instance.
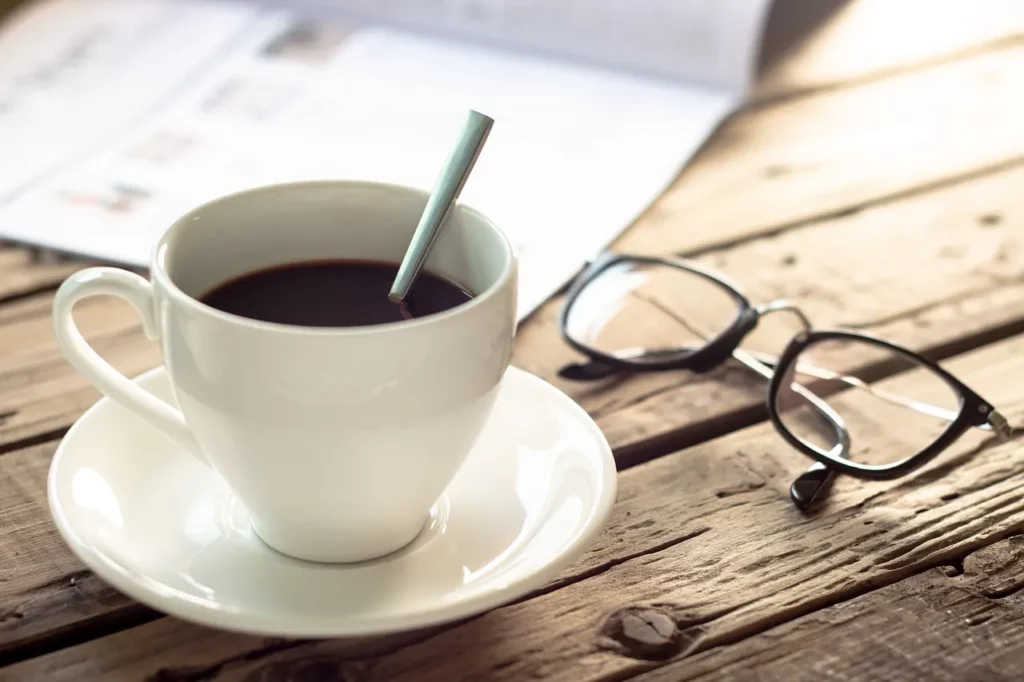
(877, 179)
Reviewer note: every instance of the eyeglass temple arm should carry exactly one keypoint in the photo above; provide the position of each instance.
(892, 398)
(813, 480)
(809, 485)
(996, 421)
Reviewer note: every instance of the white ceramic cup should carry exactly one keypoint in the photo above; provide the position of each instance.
(338, 440)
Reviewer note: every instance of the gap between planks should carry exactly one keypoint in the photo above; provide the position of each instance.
(711, 568)
(921, 255)
(822, 154)
(781, 248)
(962, 621)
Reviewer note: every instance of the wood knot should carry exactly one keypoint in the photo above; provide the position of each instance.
(647, 633)
(17, 613)
(990, 219)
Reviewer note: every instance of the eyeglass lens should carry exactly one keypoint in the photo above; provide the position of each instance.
(633, 308)
(887, 420)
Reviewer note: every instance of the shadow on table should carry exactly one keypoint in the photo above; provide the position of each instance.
(790, 24)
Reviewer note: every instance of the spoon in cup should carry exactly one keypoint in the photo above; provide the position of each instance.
(446, 190)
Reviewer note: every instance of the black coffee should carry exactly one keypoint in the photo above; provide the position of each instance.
(337, 293)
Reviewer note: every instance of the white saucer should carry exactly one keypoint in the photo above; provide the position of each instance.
(167, 531)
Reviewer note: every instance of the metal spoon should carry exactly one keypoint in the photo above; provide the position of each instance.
(449, 184)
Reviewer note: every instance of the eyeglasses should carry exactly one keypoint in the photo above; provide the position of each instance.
(905, 411)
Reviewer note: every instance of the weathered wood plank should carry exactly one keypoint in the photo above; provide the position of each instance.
(934, 272)
(8, 6)
(726, 556)
(25, 271)
(989, 308)
(813, 44)
(44, 589)
(41, 395)
(46, 593)
(952, 623)
(812, 156)
(833, 144)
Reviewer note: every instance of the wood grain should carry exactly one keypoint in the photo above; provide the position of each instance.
(45, 592)
(937, 272)
(703, 549)
(816, 154)
(27, 271)
(831, 153)
(8, 6)
(722, 556)
(963, 621)
(815, 44)
(41, 395)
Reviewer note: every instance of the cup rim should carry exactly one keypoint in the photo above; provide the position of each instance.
(159, 254)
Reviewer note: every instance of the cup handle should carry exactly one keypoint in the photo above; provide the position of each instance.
(137, 291)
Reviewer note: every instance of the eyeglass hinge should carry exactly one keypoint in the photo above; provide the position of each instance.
(999, 424)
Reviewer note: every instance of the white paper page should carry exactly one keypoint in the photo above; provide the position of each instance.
(74, 71)
(714, 42)
(575, 154)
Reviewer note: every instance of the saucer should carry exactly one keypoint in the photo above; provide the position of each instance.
(168, 532)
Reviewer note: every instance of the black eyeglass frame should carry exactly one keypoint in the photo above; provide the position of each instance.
(809, 485)
(975, 411)
(711, 355)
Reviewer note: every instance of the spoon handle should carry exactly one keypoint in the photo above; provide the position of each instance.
(449, 184)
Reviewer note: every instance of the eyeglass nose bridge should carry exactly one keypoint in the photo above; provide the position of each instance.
(782, 305)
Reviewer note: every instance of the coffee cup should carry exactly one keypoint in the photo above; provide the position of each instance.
(337, 440)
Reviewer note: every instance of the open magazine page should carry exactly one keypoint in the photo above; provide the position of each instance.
(73, 72)
(700, 41)
(575, 155)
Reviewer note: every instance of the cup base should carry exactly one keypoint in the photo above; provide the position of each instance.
(305, 546)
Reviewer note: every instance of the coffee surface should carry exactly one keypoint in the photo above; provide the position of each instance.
(336, 293)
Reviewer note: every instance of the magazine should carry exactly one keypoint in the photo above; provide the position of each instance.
(118, 116)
